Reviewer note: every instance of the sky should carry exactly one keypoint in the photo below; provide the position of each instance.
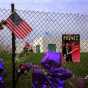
(80, 6)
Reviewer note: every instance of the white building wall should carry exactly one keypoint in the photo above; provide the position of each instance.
(84, 45)
(38, 41)
(44, 41)
(19, 47)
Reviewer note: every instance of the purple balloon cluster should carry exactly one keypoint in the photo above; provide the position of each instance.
(51, 73)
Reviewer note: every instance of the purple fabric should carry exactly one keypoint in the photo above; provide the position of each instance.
(51, 56)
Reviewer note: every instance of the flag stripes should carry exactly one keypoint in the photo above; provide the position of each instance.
(21, 30)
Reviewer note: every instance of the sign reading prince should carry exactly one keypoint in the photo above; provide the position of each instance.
(72, 37)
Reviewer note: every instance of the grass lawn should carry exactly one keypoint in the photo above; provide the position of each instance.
(80, 69)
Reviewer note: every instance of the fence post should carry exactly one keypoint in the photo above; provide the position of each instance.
(13, 52)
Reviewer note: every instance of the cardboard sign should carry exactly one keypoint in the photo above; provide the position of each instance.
(71, 47)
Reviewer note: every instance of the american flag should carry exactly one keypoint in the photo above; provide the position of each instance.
(18, 26)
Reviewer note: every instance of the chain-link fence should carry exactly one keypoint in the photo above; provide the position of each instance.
(47, 28)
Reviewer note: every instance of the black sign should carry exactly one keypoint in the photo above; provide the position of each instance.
(72, 37)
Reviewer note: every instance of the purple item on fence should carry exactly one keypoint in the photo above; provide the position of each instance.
(51, 56)
(60, 84)
(1, 78)
(61, 73)
(1, 63)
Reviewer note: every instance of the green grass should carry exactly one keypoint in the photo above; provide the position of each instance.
(80, 69)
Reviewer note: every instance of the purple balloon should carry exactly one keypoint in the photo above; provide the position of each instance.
(51, 56)
(61, 73)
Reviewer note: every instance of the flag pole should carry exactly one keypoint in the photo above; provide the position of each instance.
(13, 52)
